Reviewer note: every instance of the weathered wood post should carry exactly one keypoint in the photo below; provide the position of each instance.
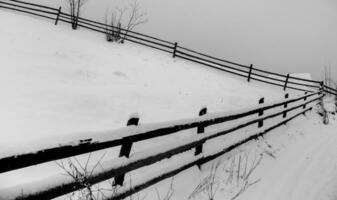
(321, 86)
(126, 147)
(260, 123)
(250, 72)
(286, 96)
(286, 82)
(58, 15)
(175, 49)
(305, 100)
(200, 130)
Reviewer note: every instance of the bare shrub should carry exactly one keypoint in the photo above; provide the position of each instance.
(81, 173)
(168, 194)
(136, 17)
(74, 7)
(235, 177)
(244, 172)
(131, 197)
(209, 185)
(328, 80)
(329, 103)
(113, 25)
(118, 26)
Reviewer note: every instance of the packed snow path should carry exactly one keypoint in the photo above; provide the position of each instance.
(305, 170)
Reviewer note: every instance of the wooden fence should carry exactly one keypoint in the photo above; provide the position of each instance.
(286, 110)
(248, 72)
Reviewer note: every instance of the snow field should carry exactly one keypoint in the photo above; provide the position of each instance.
(70, 82)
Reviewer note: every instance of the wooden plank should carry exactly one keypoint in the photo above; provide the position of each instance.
(214, 58)
(305, 99)
(86, 146)
(260, 123)
(211, 62)
(200, 130)
(286, 96)
(32, 4)
(137, 188)
(286, 82)
(126, 147)
(281, 85)
(28, 8)
(175, 49)
(58, 15)
(63, 189)
(250, 72)
(27, 12)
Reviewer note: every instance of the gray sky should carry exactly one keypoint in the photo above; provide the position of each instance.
(279, 35)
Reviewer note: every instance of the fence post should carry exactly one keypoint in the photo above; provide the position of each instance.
(305, 99)
(286, 82)
(58, 15)
(175, 49)
(286, 96)
(126, 147)
(322, 86)
(250, 72)
(200, 130)
(260, 123)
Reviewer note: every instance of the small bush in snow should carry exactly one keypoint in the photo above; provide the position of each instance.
(80, 174)
(209, 185)
(74, 7)
(168, 195)
(232, 181)
(244, 172)
(113, 26)
(118, 26)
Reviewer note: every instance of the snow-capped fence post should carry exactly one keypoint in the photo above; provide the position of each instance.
(286, 96)
(200, 130)
(250, 72)
(58, 15)
(286, 82)
(305, 99)
(126, 147)
(175, 49)
(260, 123)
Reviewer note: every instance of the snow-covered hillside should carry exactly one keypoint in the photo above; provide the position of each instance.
(56, 82)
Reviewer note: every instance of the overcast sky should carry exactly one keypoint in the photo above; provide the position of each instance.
(279, 35)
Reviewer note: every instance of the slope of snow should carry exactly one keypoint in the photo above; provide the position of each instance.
(56, 82)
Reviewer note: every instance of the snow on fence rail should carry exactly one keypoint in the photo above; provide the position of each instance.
(117, 168)
(248, 72)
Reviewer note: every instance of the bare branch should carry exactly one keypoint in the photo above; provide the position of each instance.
(74, 7)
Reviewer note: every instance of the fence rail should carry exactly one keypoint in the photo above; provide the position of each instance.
(246, 71)
(144, 133)
(135, 133)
